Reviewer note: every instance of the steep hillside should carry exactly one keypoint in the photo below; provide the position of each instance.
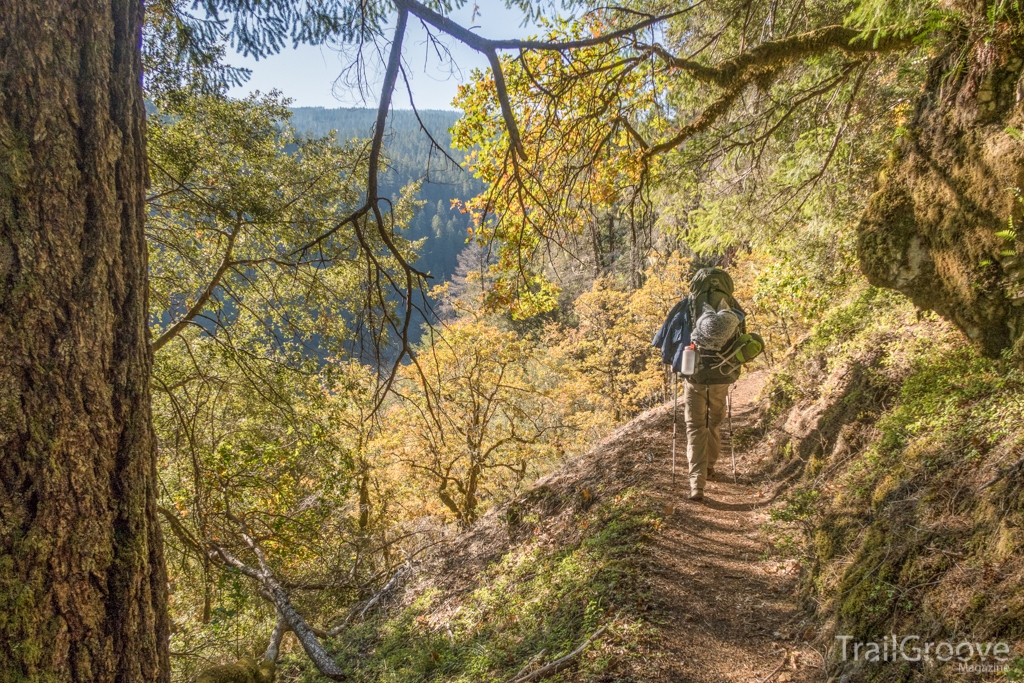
(606, 553)
(412, 158)
(878, 491)
(901, 452)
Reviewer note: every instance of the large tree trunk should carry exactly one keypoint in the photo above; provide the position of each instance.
(82, 579)
(937, 229)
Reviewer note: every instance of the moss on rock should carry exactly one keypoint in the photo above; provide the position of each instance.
(245, 670)
(932, 229)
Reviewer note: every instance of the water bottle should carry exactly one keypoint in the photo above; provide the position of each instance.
(689, 359)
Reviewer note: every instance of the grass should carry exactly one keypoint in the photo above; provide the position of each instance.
(897, 533)
(540, 596)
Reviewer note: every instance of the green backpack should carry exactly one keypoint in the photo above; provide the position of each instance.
(720, 366)
(706, 282)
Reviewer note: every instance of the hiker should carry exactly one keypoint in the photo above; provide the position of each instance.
(709, 325)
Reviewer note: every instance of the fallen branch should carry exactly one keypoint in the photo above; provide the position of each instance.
(387, 587)
(332, 632)
(335, 630)
(312, 646)
(1002, 473)
(533, 660)
(559, 664)
(774, 671)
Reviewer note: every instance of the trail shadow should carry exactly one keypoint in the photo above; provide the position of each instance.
(723, 616)
(732, 507)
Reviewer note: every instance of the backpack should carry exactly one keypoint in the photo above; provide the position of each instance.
(706, 282)
(715, 367)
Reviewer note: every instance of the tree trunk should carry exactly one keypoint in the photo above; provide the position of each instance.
(472, 485)
(82, 577)
(364, 497)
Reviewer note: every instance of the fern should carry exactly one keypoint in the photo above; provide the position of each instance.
(885, 18)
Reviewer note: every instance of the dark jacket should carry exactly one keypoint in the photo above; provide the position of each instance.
(674, 335)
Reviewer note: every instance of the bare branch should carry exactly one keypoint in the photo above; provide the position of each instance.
(506, 105)
(1001, 474)
(559, 664)
(197, 308)
(388, 587)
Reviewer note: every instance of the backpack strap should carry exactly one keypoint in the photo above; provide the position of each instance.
(727, 360)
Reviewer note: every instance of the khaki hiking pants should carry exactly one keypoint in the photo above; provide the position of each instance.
(704, 406)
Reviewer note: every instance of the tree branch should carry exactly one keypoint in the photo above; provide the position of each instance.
(624, 122)
(197, 308)
(1002, 473)
(274, 647)
(314, 649)
(179, 530)
(778, 53)
(506, 104)
(481, 44)
(490, 48)
(706, 118)
(559, 664)
(373, 601)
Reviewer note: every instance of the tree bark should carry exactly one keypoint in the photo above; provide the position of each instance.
(82, 577)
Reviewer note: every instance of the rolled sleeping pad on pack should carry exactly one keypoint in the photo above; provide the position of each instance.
(748, 347)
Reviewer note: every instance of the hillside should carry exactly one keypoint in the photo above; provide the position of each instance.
(847, 437)
(412, 158)
(606, 548)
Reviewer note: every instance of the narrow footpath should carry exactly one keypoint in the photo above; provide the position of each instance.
(729, 611)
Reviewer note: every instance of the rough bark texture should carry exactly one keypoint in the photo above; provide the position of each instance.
(82, 579)
(930, 230)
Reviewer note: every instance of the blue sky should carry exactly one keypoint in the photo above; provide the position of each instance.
(308, 74)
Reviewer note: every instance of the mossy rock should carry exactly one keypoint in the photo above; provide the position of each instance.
(931, 230)
(245, 670)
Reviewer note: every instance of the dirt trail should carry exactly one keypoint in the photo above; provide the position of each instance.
(727, 613)
(723, 611)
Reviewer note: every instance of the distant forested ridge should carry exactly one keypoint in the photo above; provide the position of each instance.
(412, 158)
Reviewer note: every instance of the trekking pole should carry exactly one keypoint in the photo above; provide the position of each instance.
(674, 396)
(732, 444)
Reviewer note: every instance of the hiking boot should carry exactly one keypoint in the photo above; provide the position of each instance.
(696, 496)
(711, 474)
